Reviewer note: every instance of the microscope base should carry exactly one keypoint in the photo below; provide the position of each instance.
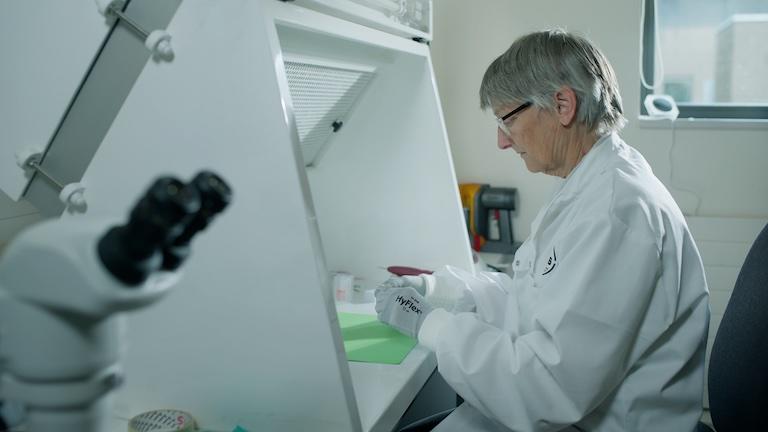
(91, 418)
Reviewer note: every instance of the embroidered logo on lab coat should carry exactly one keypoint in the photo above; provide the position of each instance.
(551, 263)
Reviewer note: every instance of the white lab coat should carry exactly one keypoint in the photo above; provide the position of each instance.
(603, 325)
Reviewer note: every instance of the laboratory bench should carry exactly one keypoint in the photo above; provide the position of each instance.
(383, 392)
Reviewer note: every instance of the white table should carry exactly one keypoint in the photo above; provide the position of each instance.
(383, 392)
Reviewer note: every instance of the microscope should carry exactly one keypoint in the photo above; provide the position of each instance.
(63, 284)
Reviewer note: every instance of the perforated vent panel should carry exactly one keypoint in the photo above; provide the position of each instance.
(322, 95)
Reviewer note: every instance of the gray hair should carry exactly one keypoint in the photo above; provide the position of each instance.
(538, 64)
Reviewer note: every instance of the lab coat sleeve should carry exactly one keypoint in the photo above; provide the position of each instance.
(580, 341)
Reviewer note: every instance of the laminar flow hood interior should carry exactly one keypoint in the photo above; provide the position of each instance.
(323, 93)
(367, 117)
(327, 78)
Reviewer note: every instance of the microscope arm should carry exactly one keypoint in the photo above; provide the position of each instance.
(60, 339)
(63, 284)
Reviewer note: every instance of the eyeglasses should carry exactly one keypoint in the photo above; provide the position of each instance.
(501, 120)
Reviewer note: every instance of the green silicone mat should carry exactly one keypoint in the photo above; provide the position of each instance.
(366, 339)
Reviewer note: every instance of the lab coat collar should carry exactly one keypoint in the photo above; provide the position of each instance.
(590, 166)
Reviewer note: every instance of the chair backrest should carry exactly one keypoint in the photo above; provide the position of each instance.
(738, 366)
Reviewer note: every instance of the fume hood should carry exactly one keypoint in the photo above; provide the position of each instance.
(324, 117)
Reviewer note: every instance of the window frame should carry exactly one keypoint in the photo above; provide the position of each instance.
(689, 110)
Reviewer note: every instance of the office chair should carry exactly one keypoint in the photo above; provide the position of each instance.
(738, 365)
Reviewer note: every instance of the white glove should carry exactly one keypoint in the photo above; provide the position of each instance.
(448, 290)
(415, 282)
(443, 289)
(402, 308)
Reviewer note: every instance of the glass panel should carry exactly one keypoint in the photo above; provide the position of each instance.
(714, 51)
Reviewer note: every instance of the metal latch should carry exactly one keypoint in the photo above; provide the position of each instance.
(156, 41)
(71, 194)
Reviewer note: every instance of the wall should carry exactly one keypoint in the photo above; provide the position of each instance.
(716, 172)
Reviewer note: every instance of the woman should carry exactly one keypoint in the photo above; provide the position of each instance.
(603, 325)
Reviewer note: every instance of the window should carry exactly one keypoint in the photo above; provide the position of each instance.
(679, 87)
(711, 56)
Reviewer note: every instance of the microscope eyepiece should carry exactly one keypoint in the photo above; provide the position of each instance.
(132, 251)
(160, 216)
(215, 195)
(214, 191)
